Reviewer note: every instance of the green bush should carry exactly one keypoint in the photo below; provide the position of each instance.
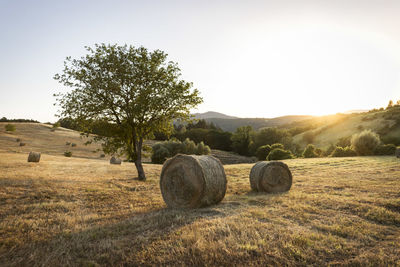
(309, 152)
(10, 127)
(278, 154)
(167, 149)
(343, 152)
(68, 153)
(262, 152)
(277, 145)
(365, 142)
(388, 149)
(160, 154)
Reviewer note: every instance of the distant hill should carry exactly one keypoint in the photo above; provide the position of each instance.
(230, 123)
(213, 115)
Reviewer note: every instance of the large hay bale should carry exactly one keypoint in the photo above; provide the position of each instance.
(272, 176)
(398, 152)
(34, 157)
(189, 181)
(115, 160)
(22, 144)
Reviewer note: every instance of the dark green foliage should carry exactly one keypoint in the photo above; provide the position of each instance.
(68, 153)
(167, 149)
(216, 139)
(309, 151)
(279, 154)
(241, 140)
(4, 119)
(344, 141)
(131, 92)
(277, 145)
(343, 152)
(388, 149)
(10, 127)
(365, 142)
(271, 135)
(262, 152)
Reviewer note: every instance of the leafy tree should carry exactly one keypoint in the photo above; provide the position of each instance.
(365, 142)
(279, 153)
(241, 139)
(309, 151)
(137, 92)
(272, 135)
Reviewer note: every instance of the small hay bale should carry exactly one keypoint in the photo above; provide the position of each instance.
(18, 140)
(22, 144)
(115, 160)
(102, 155)
(67, 143)
(272, 177)
(73, 145)
(189, 181)
(34, 157)
(398, 152)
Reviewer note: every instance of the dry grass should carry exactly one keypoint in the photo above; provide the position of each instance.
(70, 211)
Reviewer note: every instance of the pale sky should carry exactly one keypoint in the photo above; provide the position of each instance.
(247, 58)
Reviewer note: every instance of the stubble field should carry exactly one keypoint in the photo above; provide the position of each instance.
(80, 211)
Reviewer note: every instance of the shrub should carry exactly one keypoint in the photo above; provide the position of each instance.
(10, 127)
(344, 141)
(190, 147)
(203, 149)
(343, 152)
(365, 142)
(166, 149)
(160, 154)
(278, 154)
(309, 151)
(262, 152)
(68, 153)
(388, 149)
(309, 137)
(277, 145)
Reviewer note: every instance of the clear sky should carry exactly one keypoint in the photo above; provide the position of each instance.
(247, 58)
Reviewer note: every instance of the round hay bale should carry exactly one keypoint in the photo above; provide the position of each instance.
(34, 157)
(67, 143)
(189, 181)
(22, 144)
(18, 139)
(102, 155)
(398, 152)
(115, 160)
(73, 145)
(272, 176)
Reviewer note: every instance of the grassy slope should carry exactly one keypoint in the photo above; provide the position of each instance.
(336, 127)
(74, 211)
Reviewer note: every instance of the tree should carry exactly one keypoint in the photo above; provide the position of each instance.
(132, 91)
(365, 143)
(390, 105)
(241, 139)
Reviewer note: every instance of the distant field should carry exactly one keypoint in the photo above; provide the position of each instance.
(77, 211)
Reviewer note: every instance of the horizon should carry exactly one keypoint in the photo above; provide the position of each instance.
(255, 59)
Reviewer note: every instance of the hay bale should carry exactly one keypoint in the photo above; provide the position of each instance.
(67, 143)
(73, 145)
(18, 139)
(115, 160)
(34, 157)
(398, 152)
(22, 144)
(272, 176)
(189, 181)
(102, 155)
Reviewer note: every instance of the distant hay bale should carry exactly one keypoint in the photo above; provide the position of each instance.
(67, 143)
(273, 176)
(34, 157)
(102, 155)
(189, 181)
(398, 152)
(22, 144)
(115, 160)
(18, 139)
(73, 145)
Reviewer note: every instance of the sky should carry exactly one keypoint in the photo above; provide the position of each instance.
(247, 58)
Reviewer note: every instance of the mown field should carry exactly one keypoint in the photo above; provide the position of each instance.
(85, 212)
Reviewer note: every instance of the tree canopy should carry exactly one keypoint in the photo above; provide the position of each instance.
(133, 93)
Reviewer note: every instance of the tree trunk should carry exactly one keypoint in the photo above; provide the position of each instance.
(138, 161)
